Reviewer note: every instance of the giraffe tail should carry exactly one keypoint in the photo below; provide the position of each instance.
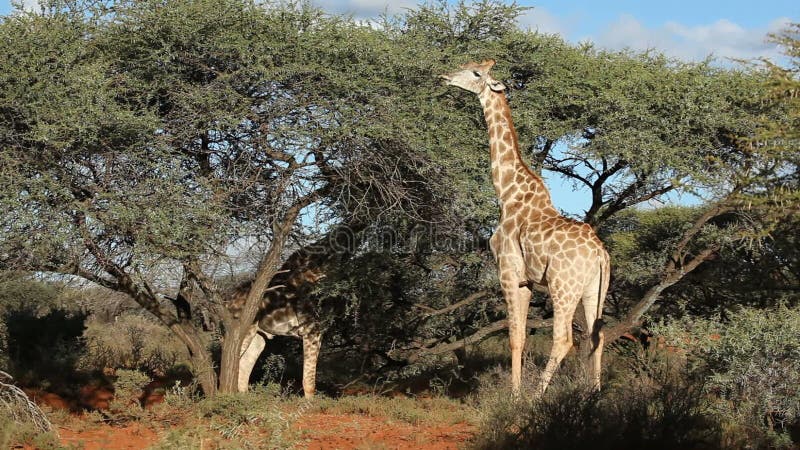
(602, 288)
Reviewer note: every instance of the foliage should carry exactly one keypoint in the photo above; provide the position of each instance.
(131, 342)
(128, 389)
(13, 435)
(273, 369)
(751, 361)
(639, 241)
(757, 271)
(40, 330)
(207, 125)
(230, 416)
(415, 411)
(653, 403)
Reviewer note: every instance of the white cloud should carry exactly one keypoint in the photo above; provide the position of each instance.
(539, 19)
(723, 39)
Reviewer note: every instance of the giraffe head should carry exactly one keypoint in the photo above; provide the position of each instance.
(474, 77)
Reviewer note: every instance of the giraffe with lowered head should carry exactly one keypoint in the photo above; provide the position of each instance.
(534, 245)
(287, 309)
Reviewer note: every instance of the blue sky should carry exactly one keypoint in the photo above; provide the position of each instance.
(689, 30)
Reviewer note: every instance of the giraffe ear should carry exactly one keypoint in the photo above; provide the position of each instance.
(496, 85)
(487, 64)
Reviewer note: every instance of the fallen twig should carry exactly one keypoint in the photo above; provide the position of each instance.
(19, 407)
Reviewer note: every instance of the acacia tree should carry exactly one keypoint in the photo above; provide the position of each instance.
(153, 134)
(753, 184)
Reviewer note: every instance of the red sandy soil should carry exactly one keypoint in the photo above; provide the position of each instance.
(105, 437)
(318, 431)
(322, 431)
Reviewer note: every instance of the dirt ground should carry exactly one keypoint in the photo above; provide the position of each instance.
(111, 438)
(316, 430)
(329, 432)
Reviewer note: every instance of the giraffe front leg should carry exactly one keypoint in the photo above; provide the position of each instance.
(517, 300)
(311, 346)
(252, 346)
(511, 273)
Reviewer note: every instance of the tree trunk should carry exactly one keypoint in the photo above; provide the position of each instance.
(200, 357)
(204, 373)
(236, 327)
(229, 359)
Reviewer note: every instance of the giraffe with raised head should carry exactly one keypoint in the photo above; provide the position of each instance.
(534, 245)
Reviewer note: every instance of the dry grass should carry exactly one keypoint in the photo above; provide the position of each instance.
(415, 411)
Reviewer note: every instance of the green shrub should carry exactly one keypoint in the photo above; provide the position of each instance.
(655, 405)
(39, 329)
(15, 435)
(128, 389)
(131, 342)
(752, 366)
(274, 368)
(415, 411)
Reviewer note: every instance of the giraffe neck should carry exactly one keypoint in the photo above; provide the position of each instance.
(512, 179)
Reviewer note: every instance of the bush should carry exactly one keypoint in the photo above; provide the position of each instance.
(132, 342)
(43, 348)
(655, 405)
(16, 435)
(39, 330)
(752, 366)
(128, 389)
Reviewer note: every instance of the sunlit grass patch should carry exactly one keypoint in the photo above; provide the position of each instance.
(414, 411)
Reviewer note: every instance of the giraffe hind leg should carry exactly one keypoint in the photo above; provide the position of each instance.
(563, 310)
(593, 309)
(311, 346)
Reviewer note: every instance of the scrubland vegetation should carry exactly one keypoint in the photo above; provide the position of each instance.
(154, 154)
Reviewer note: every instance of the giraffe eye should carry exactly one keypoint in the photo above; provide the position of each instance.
(476, 73)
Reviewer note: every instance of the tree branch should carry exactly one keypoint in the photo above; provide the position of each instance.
(674, 270)
(540, 156)
(474, 338)
(597, 189)
(430, 312)
(569, 174)
(124, 281)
